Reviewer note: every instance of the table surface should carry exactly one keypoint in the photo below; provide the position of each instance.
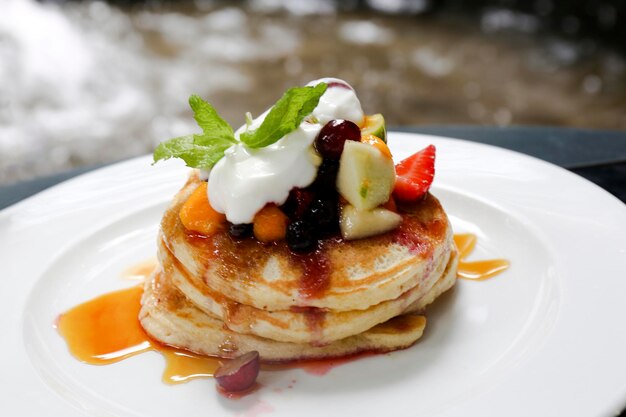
(597, 155)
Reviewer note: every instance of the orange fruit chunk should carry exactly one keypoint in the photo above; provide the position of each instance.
(378, 143)
(198, 216)
(270, 224)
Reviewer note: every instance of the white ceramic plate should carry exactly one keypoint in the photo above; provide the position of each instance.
(545, 338)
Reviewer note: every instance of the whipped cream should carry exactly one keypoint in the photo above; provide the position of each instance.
(245, 179)
(338, 102)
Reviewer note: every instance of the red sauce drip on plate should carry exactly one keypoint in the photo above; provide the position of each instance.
(319, 367)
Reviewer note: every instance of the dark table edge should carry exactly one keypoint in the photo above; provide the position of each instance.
(603, 164)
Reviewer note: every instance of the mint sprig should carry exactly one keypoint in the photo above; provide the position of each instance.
(285, 116)
(213, 126)
(194, 154)
(204, 150)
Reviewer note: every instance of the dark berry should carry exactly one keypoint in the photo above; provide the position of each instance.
(339, 84)
(324, 215)
(297, 203)
(331, 139)
(239, 374)
(326, 178)
(301, 236)
(240, 231)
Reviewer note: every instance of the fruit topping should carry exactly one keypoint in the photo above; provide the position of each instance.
(378, 143)
(241, 230)
(375, 125)
(326, 176)
(198, 216)
(298, 203)
(239, 374)
(339, 84)
(415, 175)
(324, 215)
(270, 224)
(301, 236)
(331, 139)
(366, 177)
(390, 205)
(357, 224)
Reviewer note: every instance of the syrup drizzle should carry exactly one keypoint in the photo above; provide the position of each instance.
(106, 329)
(182, 366)
(476, 270)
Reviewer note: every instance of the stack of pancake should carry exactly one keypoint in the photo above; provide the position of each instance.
(221, 296)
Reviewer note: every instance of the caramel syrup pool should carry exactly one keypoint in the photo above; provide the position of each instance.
(106, 329)
(476, 270)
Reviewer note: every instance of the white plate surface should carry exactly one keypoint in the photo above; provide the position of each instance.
(545, 338)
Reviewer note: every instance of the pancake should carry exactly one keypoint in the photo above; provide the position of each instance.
(221, 296)
(168, 316)
(299, 325)
(339, 276)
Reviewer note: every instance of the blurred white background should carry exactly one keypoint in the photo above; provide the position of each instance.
(87, 82)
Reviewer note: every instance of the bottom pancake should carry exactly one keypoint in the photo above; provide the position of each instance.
(169, 317)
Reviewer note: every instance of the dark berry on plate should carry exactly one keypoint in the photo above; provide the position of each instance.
(239, 374)
(240, 231)
(301, 236)
(324, 214)
(329, 142)
(326, 178)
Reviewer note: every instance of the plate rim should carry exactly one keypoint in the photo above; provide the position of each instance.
(66, 186)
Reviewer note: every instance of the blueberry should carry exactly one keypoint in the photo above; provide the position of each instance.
(326, 178)
(301, 236)
(324, 214)
(297, 203)
(240, 231)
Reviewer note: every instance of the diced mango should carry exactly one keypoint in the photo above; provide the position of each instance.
(270, 224)
(377, 143)
(198, 216)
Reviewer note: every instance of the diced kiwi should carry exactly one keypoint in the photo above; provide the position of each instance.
(375, 125)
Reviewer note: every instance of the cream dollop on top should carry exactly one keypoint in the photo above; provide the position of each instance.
(245, 179)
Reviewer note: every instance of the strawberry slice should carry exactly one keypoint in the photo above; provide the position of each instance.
(415, 174)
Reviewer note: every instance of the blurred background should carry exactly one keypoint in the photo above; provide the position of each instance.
(89, 82)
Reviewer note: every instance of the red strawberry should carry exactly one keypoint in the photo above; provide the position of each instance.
(415, 174)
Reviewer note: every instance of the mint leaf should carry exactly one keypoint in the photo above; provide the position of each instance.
(194, 155)
(285, 116)
(199, 151)
(204, 150)
(211, 123)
